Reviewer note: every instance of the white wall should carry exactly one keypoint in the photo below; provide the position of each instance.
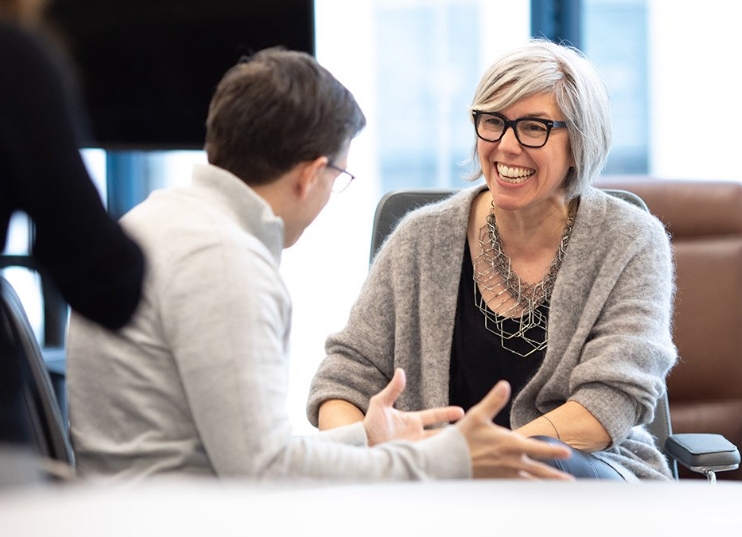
(696, 117)
(326, 268)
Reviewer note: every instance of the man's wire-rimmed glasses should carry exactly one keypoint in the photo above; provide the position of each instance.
(529, 131)
(343, 180)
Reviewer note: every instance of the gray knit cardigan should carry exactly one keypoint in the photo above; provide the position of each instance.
(610, 344)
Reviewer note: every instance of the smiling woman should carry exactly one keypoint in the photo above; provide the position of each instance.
(516, 284)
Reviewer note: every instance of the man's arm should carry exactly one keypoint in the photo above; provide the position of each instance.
(495, 452)
(383, 422)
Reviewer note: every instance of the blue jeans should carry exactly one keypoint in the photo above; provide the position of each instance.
(582, 465)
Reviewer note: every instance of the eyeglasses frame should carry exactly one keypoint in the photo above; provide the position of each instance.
(548, 123)
(342, 171)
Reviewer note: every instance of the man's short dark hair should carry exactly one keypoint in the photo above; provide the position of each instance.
(276, 109)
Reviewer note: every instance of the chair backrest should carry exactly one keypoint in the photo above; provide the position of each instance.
(53, 304)
(40, 410)
(396, 204)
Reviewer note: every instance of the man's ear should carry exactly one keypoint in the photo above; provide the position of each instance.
(309, 175)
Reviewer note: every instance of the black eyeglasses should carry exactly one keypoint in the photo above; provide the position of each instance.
(529, 131)
(343, 180)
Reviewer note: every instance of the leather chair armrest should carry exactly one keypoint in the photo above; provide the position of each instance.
(704, 453)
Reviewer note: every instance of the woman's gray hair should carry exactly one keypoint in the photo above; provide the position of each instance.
(541, 66)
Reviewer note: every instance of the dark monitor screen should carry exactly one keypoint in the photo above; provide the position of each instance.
(148, 68)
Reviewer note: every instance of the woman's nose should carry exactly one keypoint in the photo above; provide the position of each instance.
(509, 142)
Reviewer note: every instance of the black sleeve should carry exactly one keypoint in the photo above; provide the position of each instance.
(98, 269)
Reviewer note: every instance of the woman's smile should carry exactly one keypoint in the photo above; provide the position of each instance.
(513, 174)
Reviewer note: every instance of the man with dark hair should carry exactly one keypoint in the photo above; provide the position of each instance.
(197, 383)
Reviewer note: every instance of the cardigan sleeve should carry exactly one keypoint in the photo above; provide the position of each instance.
(403, 316)
(610, 341)
(631, 349)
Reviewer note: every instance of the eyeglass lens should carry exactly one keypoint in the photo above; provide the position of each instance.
(342, 181)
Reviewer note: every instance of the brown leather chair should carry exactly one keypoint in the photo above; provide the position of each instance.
(704, 219)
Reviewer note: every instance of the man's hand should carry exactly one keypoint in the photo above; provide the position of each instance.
(383, 422)
(497, 452)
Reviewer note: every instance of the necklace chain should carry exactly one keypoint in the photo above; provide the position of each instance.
(525, 303)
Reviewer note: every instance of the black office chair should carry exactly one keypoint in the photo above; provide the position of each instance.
(705, 453)
(54, 328)
(36, 411)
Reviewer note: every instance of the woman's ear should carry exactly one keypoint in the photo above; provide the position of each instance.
(310, 174)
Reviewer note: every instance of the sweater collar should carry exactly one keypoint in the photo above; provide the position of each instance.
(250, 211)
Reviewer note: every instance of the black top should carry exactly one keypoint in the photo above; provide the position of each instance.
(96, 267)
(478, 359)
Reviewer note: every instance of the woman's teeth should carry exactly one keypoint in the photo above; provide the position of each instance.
(514, 175)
